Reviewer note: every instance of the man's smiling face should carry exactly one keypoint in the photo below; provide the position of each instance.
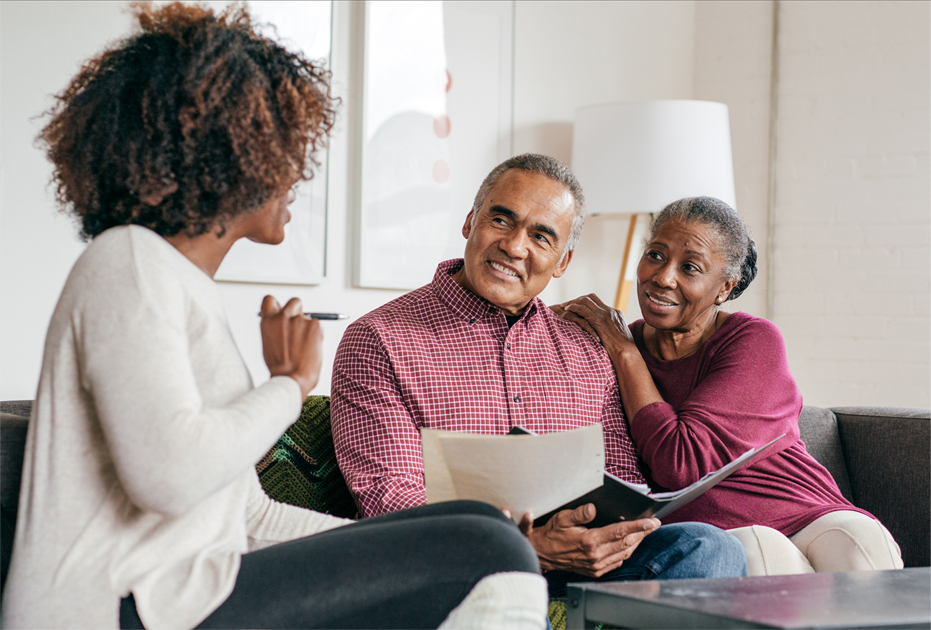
(516, 243)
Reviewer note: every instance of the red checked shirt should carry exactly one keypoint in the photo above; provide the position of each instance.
(443, 358)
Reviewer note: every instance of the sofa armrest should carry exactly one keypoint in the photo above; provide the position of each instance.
(888, 456)
(818, 429)
(12, 443)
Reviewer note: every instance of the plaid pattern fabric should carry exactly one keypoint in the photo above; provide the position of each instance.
(301, 468)
(443, 358)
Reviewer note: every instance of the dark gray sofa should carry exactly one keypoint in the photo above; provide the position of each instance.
(880, 457)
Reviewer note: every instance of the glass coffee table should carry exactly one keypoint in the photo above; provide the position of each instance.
(855, 599)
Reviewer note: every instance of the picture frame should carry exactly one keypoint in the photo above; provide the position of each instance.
(437, 109)
(301, 258)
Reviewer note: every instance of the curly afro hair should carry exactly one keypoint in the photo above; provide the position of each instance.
(192, 121)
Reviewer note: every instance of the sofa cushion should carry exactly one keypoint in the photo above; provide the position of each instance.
(301, 468)
(819, 432)
(888, 454)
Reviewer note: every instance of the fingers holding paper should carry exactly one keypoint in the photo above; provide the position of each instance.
(565, 543)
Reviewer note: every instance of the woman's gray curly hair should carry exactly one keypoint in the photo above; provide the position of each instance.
(736, 246)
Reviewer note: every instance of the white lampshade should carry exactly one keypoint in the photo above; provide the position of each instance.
(638, 157)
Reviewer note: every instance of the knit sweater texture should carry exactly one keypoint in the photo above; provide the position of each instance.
(139, 466)
(734, 394)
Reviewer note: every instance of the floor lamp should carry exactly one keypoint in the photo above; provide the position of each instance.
(634, 158)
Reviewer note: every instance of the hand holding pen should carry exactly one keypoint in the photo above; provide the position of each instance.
(292, 344)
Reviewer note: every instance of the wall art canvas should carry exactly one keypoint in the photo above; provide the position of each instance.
(437, 116)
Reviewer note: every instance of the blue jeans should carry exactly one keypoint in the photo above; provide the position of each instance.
(672, 552)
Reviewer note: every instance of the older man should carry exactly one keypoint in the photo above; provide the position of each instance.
(476, 350)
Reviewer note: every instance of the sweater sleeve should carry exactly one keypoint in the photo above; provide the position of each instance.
(179, 424)
(744, 397)
(270, 522)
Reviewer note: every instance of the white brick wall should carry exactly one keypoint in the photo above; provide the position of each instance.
(853, 273)
(852, 279)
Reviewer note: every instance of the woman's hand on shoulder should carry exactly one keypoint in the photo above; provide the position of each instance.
(598, 319)
(291, 343)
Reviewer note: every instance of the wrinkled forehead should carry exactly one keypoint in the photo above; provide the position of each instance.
(691, 233)
(532, 188)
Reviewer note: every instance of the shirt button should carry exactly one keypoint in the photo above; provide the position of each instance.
(517, 399)
(472, 321)
(509, 345)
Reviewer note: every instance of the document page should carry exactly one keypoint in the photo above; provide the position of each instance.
(522, 473)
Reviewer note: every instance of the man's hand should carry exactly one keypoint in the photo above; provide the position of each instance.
(564, 543)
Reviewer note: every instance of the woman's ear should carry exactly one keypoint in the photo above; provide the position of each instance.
(725, 291)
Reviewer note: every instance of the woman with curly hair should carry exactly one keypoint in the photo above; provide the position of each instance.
(701, 386)
(140, 505)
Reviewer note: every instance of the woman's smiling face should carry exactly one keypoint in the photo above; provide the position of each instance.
(680, 278)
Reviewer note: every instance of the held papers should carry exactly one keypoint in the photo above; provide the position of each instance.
(522, 473)
(543, 474)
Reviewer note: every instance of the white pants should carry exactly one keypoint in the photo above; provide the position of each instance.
(838, 541)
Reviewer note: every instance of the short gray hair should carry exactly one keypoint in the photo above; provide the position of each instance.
(737, 248)
(551, 168)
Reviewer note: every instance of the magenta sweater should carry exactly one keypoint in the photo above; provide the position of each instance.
(734, 394)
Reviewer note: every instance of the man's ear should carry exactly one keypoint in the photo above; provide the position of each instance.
(561, 267)
(467, 226)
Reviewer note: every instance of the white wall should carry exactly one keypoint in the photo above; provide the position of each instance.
(852, 266)
(853, 280)
(42, 45)
(733, 50)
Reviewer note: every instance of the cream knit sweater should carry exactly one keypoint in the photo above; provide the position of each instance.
(138, 475)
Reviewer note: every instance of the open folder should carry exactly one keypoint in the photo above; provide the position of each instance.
(542, 474)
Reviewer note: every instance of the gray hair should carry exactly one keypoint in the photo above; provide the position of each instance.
(737, 247)
(551, 168)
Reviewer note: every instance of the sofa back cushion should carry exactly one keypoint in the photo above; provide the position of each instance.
(819, 431)
(888, 453)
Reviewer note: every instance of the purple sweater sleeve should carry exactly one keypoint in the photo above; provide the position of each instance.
(734, 394)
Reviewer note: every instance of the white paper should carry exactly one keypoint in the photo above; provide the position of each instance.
(521, 473)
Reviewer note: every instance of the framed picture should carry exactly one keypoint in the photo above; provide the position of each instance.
(437, 116)
(301, 258)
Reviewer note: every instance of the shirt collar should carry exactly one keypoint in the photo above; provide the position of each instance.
(462, 302)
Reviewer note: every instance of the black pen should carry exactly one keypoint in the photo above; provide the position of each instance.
(326, 316)
(322, 315)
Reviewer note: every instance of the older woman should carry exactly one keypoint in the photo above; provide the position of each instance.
(701, 386)
(139, 498)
